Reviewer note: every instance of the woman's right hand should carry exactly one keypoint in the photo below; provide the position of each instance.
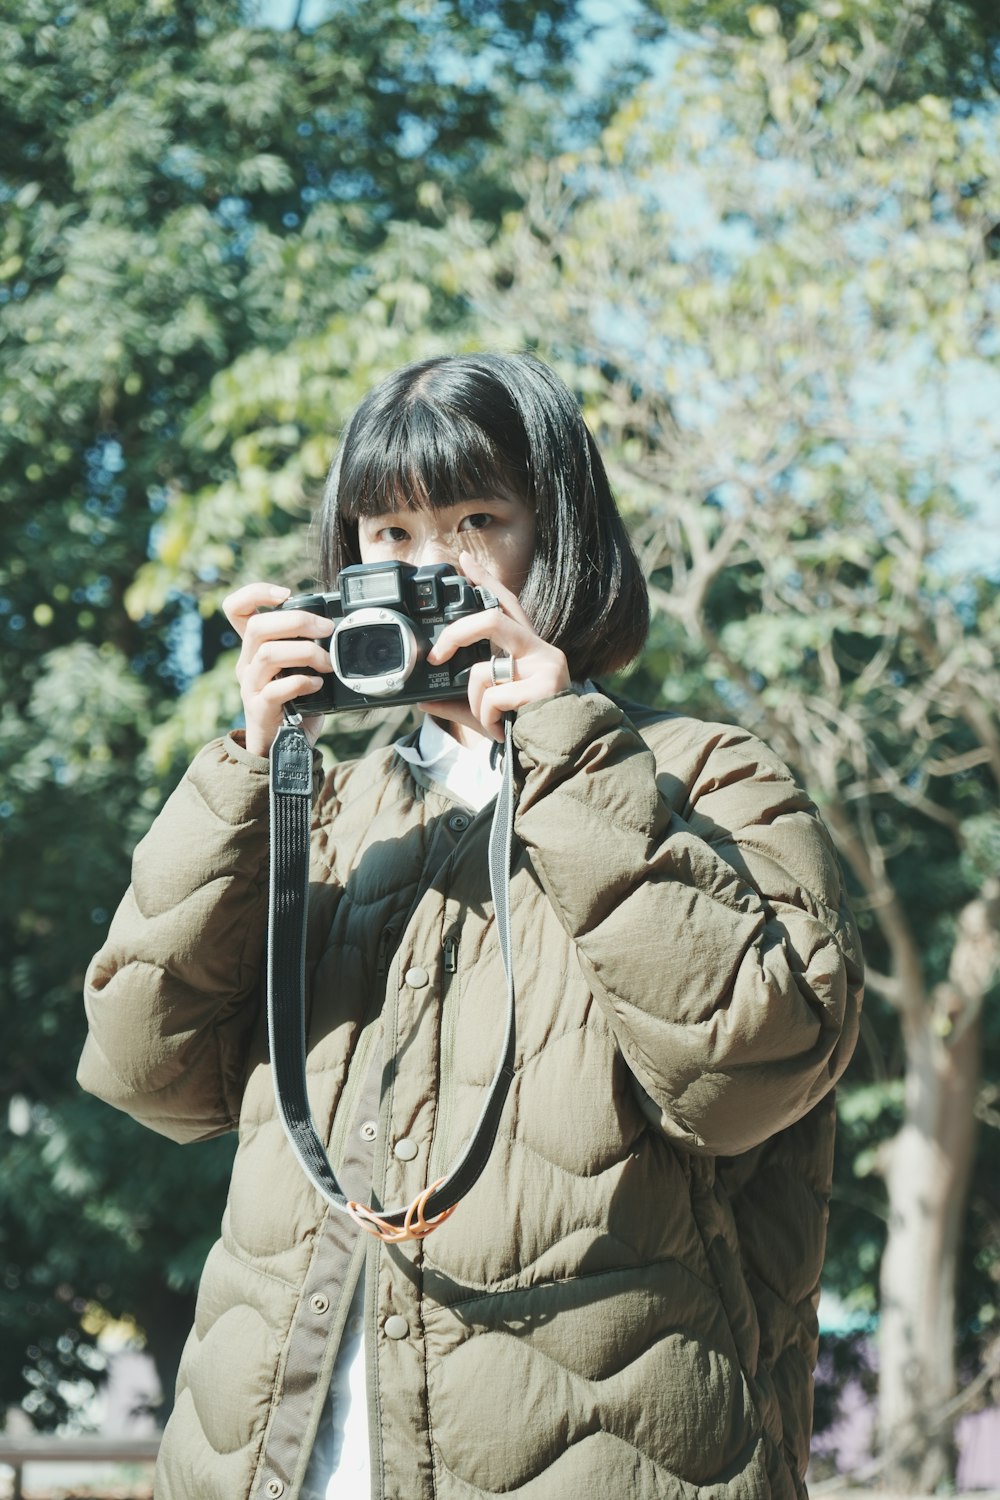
(275, 641)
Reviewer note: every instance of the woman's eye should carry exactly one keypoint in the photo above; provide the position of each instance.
(477, 521)
(394, 534)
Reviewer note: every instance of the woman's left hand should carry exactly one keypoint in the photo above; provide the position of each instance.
(540, 669)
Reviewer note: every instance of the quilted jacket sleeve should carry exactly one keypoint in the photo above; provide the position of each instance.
(173, 994)
(707, 909)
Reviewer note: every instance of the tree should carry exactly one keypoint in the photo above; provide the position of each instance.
(776, 297)
(949, 48)
(779, 388)
(181, 187)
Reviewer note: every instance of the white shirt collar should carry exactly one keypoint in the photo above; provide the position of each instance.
(465, 771)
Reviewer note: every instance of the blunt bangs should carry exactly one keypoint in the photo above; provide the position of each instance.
(409, 449)
(463, 427)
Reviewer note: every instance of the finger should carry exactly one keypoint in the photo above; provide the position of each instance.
(486, 625)
(272, 657)
(479, 684)
(239, 606)
(283, 624)
(263, 711)
(477, 574)
(541, 674)
(282, 690)
(495, 702)
(481, 687)
(452, 711)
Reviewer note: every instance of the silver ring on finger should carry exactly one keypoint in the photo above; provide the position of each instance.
(501, 669)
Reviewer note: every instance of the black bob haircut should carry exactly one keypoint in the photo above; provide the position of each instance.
(468, 426)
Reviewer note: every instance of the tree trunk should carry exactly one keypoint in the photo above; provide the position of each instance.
(929, 1166)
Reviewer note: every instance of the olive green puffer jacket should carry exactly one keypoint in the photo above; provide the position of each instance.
(625, 1303)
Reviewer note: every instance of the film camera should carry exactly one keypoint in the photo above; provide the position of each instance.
(388, 617)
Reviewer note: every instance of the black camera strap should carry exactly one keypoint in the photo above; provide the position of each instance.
(291, 811)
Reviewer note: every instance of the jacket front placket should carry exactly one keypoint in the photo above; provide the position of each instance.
(322, 1311)
(402, 1461)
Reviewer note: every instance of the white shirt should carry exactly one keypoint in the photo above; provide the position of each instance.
(467, 773)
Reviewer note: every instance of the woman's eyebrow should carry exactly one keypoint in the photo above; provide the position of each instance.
(479, 500)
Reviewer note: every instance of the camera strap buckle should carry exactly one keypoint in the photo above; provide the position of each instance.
(291, 809)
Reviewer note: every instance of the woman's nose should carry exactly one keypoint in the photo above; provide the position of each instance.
(438, 550)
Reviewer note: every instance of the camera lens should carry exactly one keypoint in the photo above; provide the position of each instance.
(370, 650)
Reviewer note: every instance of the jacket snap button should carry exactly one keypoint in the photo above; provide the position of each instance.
(319, 1302)
(416, 978)
(368, 1131)
(459, 822)
(405, 1148)
(274, 1488)
(396, 1327)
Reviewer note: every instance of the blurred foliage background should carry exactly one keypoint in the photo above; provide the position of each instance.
(761, 244)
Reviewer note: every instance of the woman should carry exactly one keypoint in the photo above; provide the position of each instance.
(624, 1303)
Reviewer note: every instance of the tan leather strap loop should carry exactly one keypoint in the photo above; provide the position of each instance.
(414, 1225)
